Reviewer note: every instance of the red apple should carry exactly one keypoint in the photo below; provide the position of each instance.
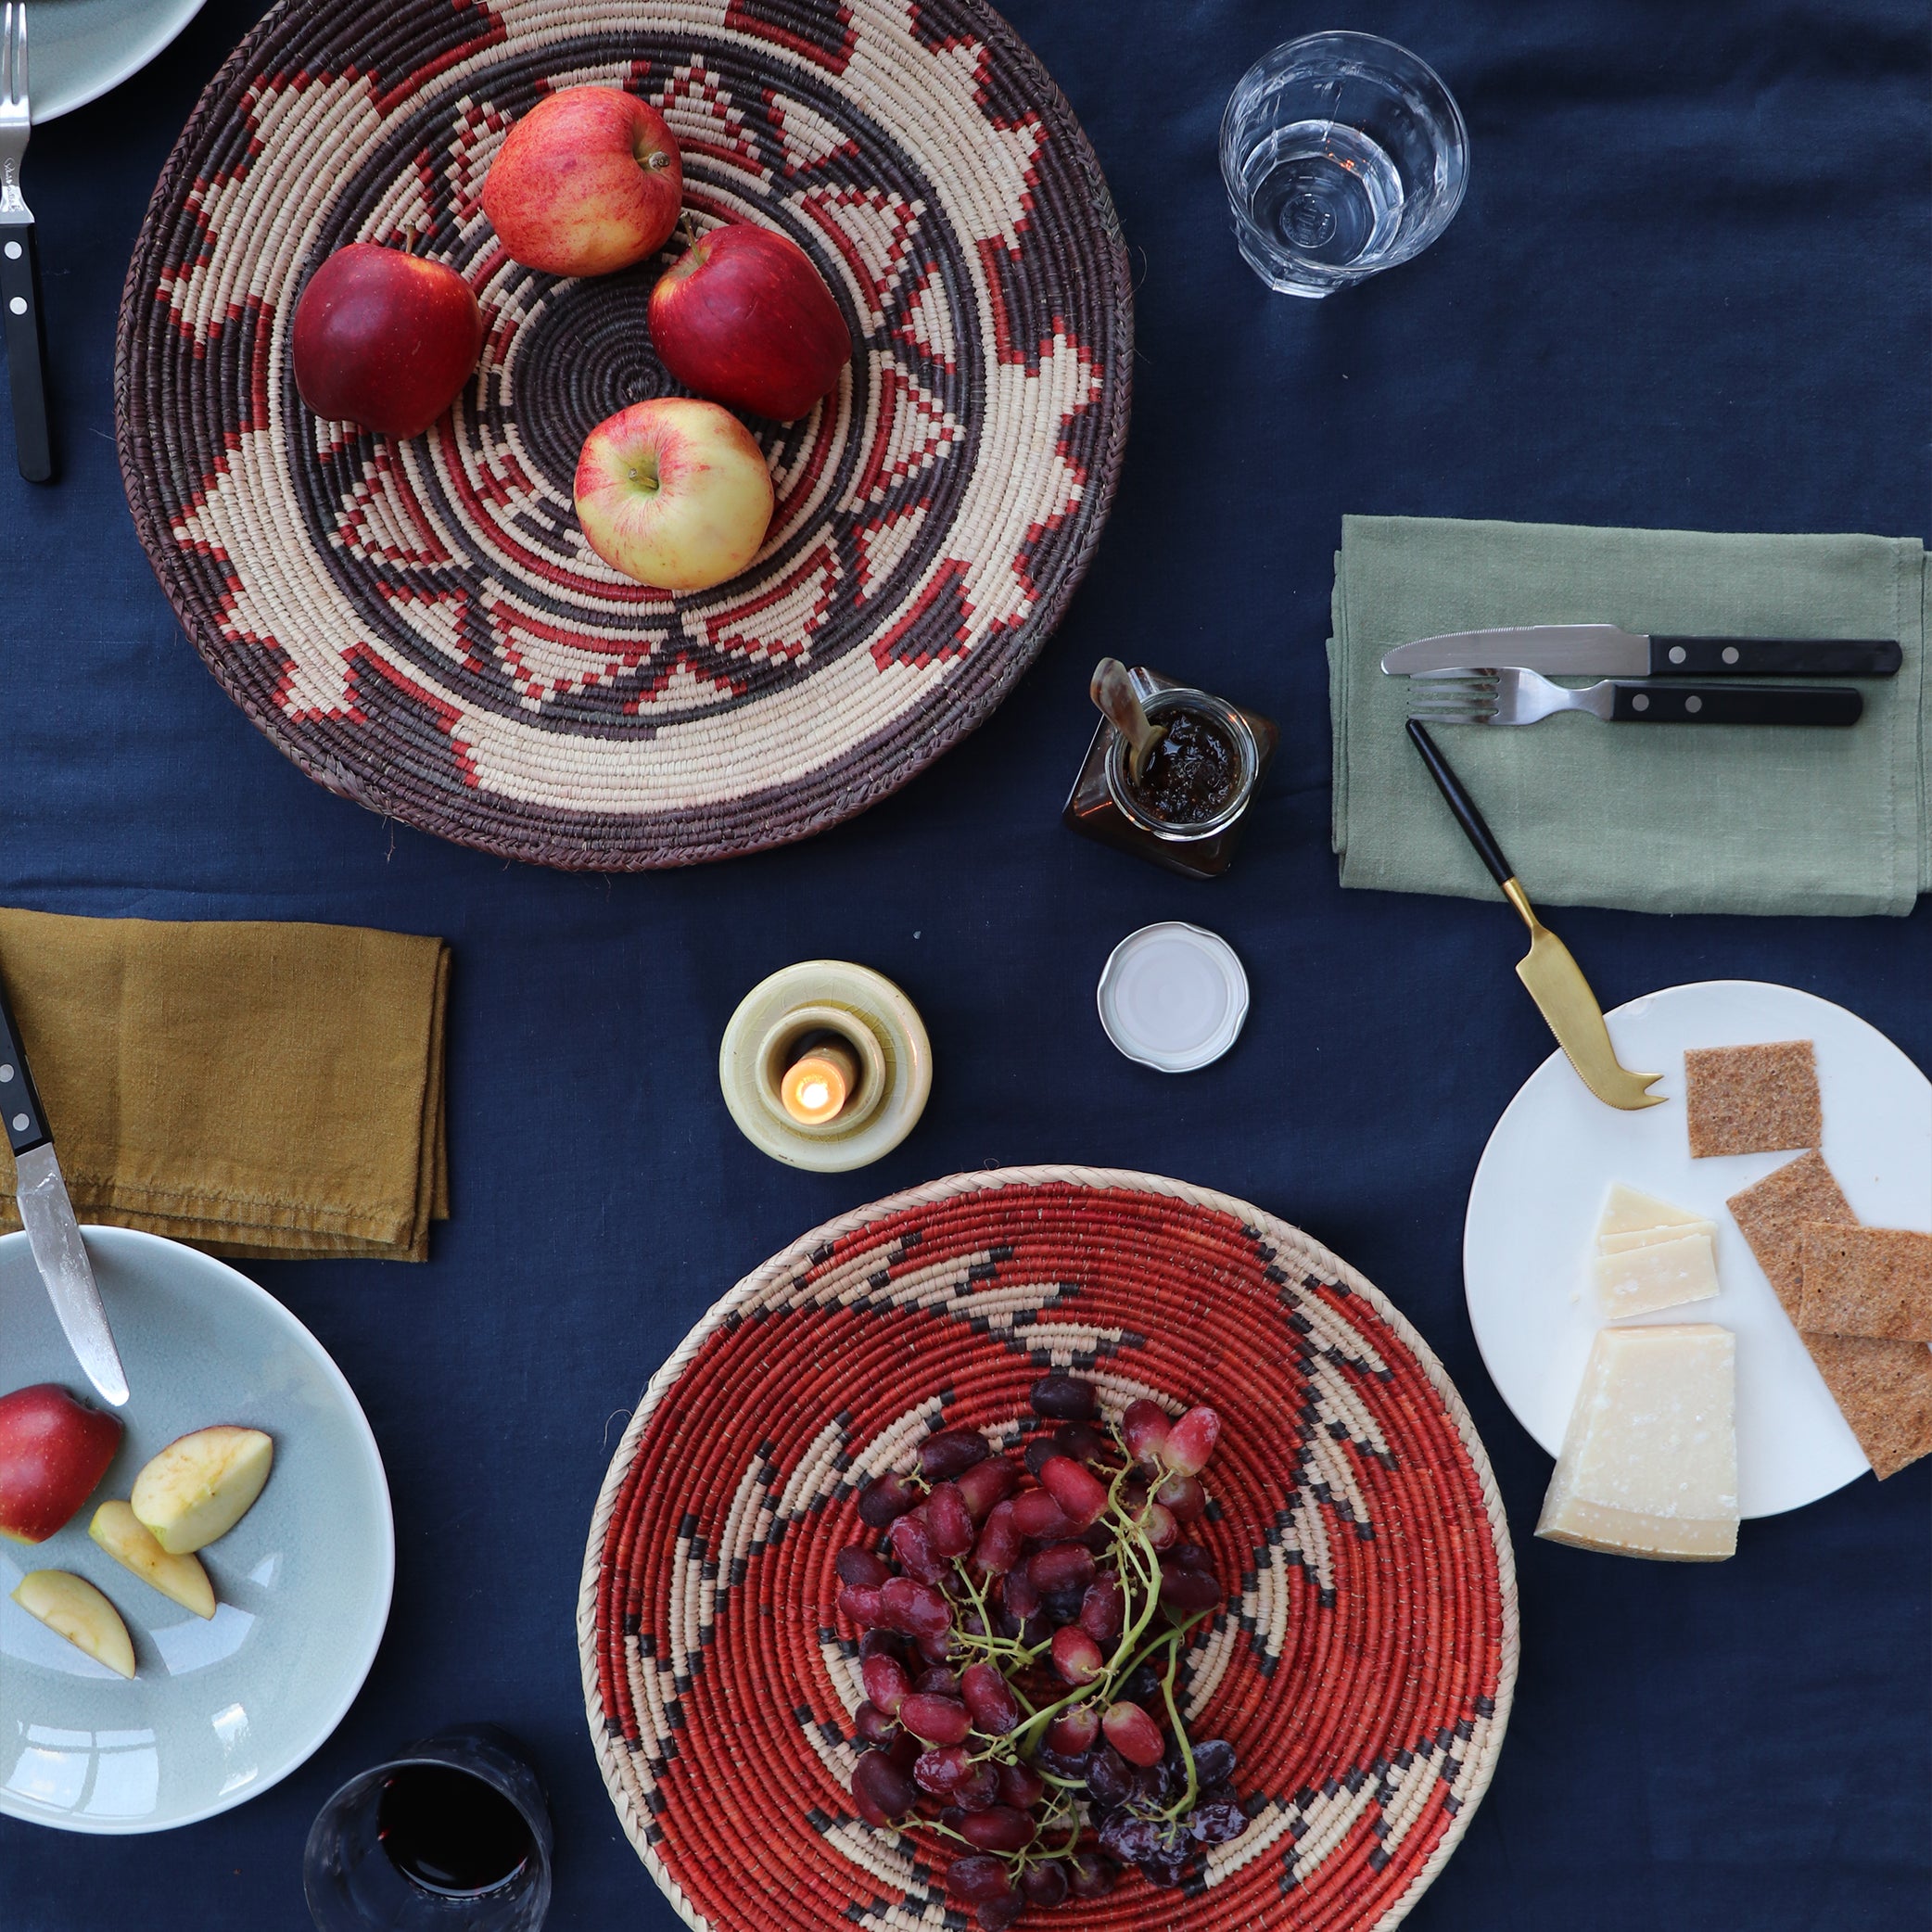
(385, 338)
(588, 181)
(54, 1448)
(744, 318)
(674, 494)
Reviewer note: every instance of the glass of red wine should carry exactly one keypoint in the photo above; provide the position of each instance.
(455, 1824)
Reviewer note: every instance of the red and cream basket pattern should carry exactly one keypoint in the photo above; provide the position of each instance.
(421, 626)
(1364, 1665)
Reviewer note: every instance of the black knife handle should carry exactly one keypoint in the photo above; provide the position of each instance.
(1463, 805)
(1736, 703)
(1773, 657)
(20, 1099)
(26, 349)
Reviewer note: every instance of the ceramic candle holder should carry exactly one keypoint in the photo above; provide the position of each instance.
(780, 1017)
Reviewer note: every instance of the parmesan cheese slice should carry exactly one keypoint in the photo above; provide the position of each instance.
(1627, 1212)
(1650, 1236)
(1650, 1462)
(1660, 1275)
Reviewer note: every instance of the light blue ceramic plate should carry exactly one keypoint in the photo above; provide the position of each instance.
(77, 49)
(217, 1711)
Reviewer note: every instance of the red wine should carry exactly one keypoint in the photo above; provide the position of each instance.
(449, 1832)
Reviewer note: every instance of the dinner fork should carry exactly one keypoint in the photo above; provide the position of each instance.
(19, 261)
(1509, 696)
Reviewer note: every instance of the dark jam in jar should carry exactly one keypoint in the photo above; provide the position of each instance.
(1193, 774)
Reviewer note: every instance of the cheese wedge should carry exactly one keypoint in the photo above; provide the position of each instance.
(1650, 1462)
(1661, 1276)
(1650, 1236)
(1626, 1211)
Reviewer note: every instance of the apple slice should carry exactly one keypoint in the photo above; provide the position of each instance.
(201, 1485)
(130, 1542)
(70, 1607)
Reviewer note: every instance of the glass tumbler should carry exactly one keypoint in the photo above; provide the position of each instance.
(1344, 154)
(451, 1833)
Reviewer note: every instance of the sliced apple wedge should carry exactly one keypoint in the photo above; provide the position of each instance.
(70, 1607)
(130, 1542)
(201, 1485)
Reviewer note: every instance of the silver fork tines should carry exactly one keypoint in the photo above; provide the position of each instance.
(15, 115)
(1503, 696)
(1454, 697)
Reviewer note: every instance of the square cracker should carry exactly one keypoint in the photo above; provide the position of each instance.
(1873, 1282)
(1883, 1388)
(1752, 1099)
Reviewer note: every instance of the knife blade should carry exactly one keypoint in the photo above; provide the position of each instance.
(49, 1216)
(1603, 650)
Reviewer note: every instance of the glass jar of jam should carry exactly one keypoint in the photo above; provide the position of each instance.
(1184, 812)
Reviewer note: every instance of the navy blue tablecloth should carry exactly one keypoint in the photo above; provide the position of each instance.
(1692, 286)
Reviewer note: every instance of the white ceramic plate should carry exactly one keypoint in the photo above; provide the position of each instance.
(217, 1711)
(77, 49)
(1539, 1187)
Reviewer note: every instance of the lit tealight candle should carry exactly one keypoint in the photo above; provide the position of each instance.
(818, 1083)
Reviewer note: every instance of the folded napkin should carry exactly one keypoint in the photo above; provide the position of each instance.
(255, 1088)
(1654, 818)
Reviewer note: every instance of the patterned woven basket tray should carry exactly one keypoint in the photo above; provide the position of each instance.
(1364, 1675)
(421, 626)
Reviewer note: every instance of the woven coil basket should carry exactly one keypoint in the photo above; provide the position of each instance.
(1362, 1667)
(421, 626)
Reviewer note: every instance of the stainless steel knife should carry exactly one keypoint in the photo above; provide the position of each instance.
(1604, 650)
(49, 1216)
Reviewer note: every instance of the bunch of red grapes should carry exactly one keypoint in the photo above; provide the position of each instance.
(1021, 1632)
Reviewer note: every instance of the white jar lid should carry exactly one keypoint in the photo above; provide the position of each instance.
(1172, 996)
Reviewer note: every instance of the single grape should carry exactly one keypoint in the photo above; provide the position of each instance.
(935, 1649)
(1045, 1884)
(1003, 1828)
(880, 1790)
(1216, 1821)
(1061, 1607)
(887, 1683)
(1157, 1783)
(904, 1750)
(1064, 1398)
(938, 1720)
(870, 1725)
(1021, 1786)
(1144, 1430)
(1108, 1777)
(1091, 1874)
(1163, 1872)
(1062, 1566)
(1129, 1729)
(990, 1699)
(942, 1771)
(882, 1643)
(1076, 1489)
(1036, 1514)
(861, 1568)
(1214, 1760)
(1129, 1837)
(1076, 1657)
(997, 1914)
(1054, 1763)
(1000, 1544)
(940, 1680)
(1189, 1555)
(1163, 1532)
(912, 1544)
(987, 1483)
(951, 1453)
(1191, 1441)
(1103, 1609)
(1186, 1593)
(980, 1792)
(863, 1607)
(950, 1529)
(1082, 1443)
(884, 1502)
(915, 1608)
(1142, 1685)
(975, 1878)
(1072, 1732)
(1021, 1596)
(1183, 1499)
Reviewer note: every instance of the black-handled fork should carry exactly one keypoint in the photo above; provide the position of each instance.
(19, 261)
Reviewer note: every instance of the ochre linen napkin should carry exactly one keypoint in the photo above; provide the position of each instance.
(1653, 817)
(254, 1088)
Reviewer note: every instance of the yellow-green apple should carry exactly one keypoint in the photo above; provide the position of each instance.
(588, 181)
(744, 318)
(130, 1542)
(385, 338)
(54, 1448)
(201, 1485)
(73, 1607)
(674, 494)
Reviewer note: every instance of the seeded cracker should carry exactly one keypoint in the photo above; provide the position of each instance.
(1884, 1389)
(1874, 1281)
(1752, 1099)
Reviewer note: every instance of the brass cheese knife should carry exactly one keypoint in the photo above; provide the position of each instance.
(1554, 980)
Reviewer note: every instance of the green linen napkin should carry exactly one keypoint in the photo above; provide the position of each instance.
(1653, 817)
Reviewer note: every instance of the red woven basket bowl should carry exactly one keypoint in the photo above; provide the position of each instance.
(1362, 1667)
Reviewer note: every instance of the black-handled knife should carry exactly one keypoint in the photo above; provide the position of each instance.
(49, 1216)
(26, 347)
(1604, 650)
